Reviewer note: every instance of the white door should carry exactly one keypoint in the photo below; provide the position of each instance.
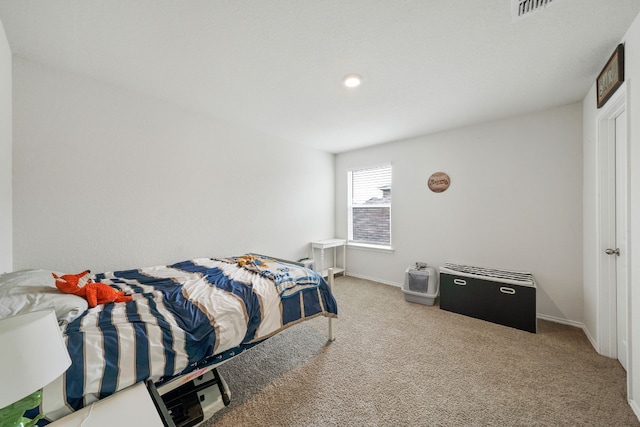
(621, 247)
(614, 310)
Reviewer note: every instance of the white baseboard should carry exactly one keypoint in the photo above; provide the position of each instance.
(635, 408)
(374, 279)
(560, 320)
(591, 339)
(571, 323)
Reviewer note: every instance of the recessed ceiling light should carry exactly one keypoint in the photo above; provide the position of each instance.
(352, 80)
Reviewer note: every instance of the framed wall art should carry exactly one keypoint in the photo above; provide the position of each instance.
(611, 76)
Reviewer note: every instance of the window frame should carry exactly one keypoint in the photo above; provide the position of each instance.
(350, 205)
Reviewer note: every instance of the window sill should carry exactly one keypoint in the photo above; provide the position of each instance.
(368, 247)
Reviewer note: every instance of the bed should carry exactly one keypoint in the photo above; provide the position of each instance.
(183, 319)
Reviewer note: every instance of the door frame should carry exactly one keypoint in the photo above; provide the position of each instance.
(607, 282)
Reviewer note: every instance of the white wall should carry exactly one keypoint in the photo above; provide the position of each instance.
(515, 202)
(6, 227)
(109, 179)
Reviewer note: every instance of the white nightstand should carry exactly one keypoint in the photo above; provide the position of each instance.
(133, 406)
(334, 244)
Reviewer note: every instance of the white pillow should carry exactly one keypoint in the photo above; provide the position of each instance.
(33, 290)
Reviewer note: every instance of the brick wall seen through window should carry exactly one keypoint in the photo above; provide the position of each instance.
(370, 205)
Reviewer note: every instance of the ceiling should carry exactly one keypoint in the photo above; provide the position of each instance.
(276, 66)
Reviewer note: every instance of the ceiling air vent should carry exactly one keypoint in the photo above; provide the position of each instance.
(522, 8)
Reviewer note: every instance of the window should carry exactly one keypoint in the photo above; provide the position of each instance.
(369, 192)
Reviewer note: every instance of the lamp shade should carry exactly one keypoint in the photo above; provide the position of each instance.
(32, 354)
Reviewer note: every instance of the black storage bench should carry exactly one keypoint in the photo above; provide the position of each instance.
(499, 296)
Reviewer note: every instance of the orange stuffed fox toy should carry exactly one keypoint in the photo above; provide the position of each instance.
(83, 286)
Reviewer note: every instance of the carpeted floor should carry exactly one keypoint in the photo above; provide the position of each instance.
(396, 363)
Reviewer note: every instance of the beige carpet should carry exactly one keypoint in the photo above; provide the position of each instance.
(396, 363)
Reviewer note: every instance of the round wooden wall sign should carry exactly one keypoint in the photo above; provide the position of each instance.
(439, 182)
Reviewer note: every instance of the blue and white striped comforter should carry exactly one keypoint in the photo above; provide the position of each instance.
(180, 317)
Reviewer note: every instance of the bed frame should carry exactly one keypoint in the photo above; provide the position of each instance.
(181, 380)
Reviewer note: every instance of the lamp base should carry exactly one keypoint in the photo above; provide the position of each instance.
(12, 415)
